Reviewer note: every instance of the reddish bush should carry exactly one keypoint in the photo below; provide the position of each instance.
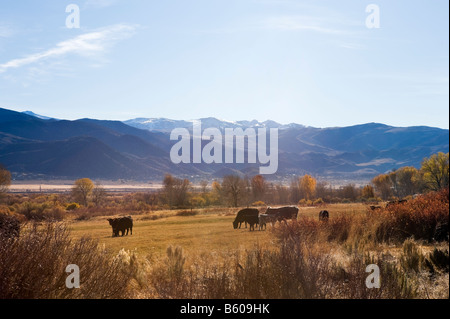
(417, 218)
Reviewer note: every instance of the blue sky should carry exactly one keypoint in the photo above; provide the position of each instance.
(311, 62)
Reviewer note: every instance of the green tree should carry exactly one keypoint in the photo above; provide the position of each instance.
(435, 171)
(82, 190)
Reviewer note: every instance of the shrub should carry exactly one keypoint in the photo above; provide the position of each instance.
(72, 206)
(318, 202)
(33, 266)
(417, 218)
(186, 213)
(41, 211)
(411, 258)
(258, 203)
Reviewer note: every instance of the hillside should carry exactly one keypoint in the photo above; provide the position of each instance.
(35, 146)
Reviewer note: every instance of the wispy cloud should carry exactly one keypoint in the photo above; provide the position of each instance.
(89, 44)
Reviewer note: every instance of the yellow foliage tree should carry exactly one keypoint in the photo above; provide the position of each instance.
(308, 186)
(435, 171)
(82, 190)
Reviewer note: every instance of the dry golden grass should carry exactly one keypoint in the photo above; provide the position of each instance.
(211, 229)
(207, 231)
(211, 249)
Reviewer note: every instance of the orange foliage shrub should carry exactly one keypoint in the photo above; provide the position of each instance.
(417, 218)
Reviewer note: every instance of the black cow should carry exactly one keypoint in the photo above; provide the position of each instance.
(121, 225)
(324, 215)
(9, 227)
(252, 220)
(246, 215)
(283, 213)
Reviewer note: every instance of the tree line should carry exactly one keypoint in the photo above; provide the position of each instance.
(234, 190)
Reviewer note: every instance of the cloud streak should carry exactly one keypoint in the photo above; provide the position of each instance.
(86, 45)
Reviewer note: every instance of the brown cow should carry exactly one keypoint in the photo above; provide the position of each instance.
(246, 215)
(283, 213)
(121, 224)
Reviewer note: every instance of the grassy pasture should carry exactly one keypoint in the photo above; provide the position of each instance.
(209, 230)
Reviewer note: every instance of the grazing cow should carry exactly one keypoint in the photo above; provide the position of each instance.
(9, 227)
(283, 213)
(244, 215)
(324, 215)
(252, 220)
(121, 225)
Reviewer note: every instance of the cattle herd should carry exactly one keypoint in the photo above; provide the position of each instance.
(252, 217)
(248, 216)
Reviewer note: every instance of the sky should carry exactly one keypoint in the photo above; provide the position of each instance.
(316, 63)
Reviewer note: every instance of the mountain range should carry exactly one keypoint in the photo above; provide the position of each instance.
(39, 147)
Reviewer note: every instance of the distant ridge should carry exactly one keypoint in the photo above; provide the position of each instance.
(34, 146)
(167, 125)
(42, 117)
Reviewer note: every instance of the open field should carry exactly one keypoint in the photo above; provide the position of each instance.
(184, 253)
(210, 230)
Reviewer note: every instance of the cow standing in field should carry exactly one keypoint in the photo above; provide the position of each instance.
(121, 225)
(252, 220)
(247, 215)
(324, 215)
(283, 213)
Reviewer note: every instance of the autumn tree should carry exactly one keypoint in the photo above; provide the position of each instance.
(383, 185)
(349, 191)
(294, 191)
(435, 171)
(394, 183)
(82, 190)
(408, 179)
(368, 192)
(176, 190)
(234, 189)
(259, 187)
(323, 190)
(5, 180)
(307, 185)
(281, 194)
(216, 194)
(98, 194)
(203, 187)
